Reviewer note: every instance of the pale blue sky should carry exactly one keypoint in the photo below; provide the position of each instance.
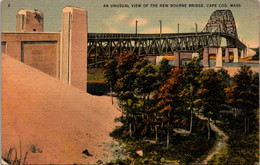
(122, 20)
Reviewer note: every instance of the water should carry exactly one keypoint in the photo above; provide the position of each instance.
(231, 64)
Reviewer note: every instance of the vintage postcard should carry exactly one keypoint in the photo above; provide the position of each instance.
(129, 82)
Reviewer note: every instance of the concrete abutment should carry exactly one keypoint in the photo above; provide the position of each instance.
(61, 55)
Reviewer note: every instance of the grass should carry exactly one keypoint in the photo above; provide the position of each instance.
(241, 148)
(183, 149)
(15, 157)
(95, 75)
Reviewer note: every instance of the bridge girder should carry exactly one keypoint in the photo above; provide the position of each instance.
(221, 24)
(105, 48)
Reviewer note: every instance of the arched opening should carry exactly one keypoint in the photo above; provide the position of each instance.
(231, 56)
(185, 61)
(212, 60)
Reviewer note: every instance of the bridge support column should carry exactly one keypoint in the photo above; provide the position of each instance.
(206, 57)
(235, 51)
(219, 62)
(176, 61)
(227, 55)
(73, 59)
(242, 54)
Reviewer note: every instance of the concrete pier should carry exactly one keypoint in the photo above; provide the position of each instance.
(73, 68)
(235, 52)
(219, 62)
(179, 56)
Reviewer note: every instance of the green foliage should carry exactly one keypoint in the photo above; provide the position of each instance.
(211, 93)
(191, 76)
(125, 76)
(244, 92)
(126, 63)
(95, 75)
(110, 73)
(183, 149)
(146, 79)
(225, 77)
(163, 71)
(241, 148)
(158, 106)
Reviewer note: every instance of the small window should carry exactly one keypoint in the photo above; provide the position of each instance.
(34, 30)
(22, 22)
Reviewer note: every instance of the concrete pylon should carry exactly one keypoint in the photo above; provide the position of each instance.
(206, 57)
(227, 55)
(158, 59)
(219, 62)
(176, 61)
(29, 21)
(242, 54)
(73, 58)
(235, 51)
(195, 55)
(245, 52)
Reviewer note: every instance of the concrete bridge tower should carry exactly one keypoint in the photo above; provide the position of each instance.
(29, 21)
(73, 59)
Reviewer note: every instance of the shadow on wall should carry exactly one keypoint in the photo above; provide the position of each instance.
(97, 89)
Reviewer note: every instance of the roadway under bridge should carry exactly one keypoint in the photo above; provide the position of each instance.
(221, 24)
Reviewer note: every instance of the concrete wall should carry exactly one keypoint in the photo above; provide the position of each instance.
(42, 50)
(42, 56)
(39, 50)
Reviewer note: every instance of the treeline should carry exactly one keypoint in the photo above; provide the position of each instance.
(156, 99)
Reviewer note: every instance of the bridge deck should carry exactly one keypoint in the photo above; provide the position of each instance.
(92, 36)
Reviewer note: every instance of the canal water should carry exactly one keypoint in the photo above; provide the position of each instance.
(231, 64)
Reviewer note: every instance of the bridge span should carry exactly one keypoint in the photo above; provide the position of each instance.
(221, 24)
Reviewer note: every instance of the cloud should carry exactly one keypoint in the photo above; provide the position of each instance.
(189, 24)
(237, 24)
(111, 30)
(157, 30)
(141, 22)
(120, 17)
(252, 43)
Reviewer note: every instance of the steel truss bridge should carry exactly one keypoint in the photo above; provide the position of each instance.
(221, 24)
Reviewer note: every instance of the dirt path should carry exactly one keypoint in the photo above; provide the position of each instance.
(221, 141)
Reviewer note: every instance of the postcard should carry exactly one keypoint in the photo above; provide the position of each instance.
(129, 82)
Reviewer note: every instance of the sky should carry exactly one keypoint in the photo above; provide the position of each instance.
(103, 19)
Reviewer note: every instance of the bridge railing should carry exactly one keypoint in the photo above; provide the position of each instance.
(136, 36)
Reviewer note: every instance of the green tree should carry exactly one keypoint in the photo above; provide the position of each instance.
(212, 94)
(244, 93)
(126, 63)
(146, 78)
(192, 72)
(110, 75)
(225, 77)
(164, 70)
(124, 67)
(142, 82)
(124, 86)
